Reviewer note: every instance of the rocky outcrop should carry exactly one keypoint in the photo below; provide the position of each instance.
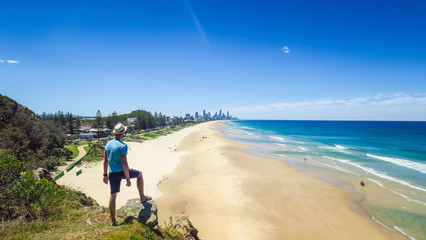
(84, 200)
(41, 173)
(184, 227)
(145, 213)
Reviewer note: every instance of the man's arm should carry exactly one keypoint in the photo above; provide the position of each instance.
(105, 168)
(126, 169)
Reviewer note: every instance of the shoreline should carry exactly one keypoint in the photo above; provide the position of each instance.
(237, 203)
(231, 194)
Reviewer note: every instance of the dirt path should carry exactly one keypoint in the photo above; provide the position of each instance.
(81, 153)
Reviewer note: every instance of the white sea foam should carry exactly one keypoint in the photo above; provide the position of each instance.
(278, 138)
(397, 193)
(377, 173)
(285, 147)
(245, 127)
(377, 182)
(335, 148)
(402, 162)
(381, 184)
(247, 133)
(303, 148)
(377, 221)
(338, 168)
(402, 231)
(339, 147)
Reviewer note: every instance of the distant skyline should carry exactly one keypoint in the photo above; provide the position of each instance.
(325, 60)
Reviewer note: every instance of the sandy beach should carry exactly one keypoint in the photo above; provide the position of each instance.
(155, 158)
(229, 194)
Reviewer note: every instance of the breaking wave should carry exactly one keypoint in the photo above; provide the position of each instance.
(402, 162)
(377, 173)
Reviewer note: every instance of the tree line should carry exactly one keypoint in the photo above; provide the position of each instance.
(67, 120)
(143, 119)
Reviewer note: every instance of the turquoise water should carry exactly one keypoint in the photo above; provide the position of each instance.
(389, 156)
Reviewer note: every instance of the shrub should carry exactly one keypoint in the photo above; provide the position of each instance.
(24, 195)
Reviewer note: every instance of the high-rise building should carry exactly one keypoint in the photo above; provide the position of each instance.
(227, 115)
(196, 115)
(220, 113)
(204, 114)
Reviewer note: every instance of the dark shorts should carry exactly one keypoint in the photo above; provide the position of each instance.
(115, 179)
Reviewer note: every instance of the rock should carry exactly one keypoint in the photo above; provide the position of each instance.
(145, 213)
(41, 173)
(85, 200)
(185, 227)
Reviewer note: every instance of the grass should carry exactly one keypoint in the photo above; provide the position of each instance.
(75, 224)
(90, 158)
(86, 148)
(74, 148)
(84, 223)
(96, 154)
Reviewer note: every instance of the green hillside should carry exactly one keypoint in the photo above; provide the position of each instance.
(32, 205)
(34, 141)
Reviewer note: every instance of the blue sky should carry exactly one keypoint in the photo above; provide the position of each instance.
(258, 59)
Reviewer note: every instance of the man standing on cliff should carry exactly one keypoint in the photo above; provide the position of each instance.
(116, 159)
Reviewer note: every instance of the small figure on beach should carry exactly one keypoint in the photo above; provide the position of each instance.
(116, 159)
(362, 184)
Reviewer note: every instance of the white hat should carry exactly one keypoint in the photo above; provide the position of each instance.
(119, 128)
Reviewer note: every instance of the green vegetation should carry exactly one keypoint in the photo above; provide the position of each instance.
(36, 142)
(33, 208)
(138, 231)
(95, 152)
(73, 147)
(144, 119)
(23, 195)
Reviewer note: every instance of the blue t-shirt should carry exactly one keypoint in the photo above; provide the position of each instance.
(114, 149)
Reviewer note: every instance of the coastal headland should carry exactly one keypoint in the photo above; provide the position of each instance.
(230, 194)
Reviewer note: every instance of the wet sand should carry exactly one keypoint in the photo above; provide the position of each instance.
(229, 194)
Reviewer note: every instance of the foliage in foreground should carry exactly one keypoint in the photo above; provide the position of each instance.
(22, 194)
(33, 208)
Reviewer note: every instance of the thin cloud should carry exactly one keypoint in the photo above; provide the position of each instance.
(12, 61)
(197, 23)
(1, 61)
(285, 49)
(397, 106)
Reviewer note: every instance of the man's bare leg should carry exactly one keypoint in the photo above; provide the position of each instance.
(139, 183)
(112, 199)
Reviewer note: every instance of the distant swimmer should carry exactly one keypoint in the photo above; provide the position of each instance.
(362, 184)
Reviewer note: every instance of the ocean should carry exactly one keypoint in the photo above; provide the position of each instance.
(389, 157)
